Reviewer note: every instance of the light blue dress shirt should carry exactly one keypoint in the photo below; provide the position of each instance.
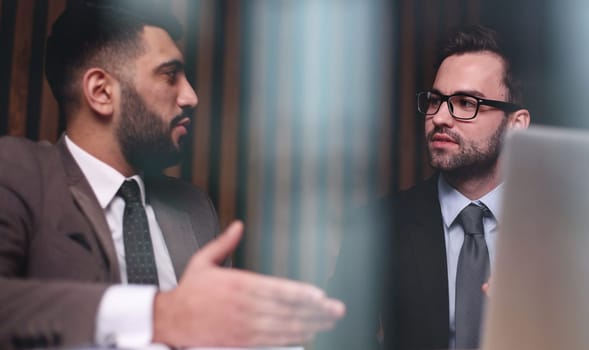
(451, 203)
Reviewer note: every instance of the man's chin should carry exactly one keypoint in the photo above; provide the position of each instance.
(443, 167)
(441, 160)
(157, 164)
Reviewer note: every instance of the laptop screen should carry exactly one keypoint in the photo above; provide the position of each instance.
(540, 283)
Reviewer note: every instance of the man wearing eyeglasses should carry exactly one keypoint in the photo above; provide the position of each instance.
(444, 228)
(447, 225)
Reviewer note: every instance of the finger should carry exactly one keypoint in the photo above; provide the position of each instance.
(280, 297)
(282, 339)
(297, 294)
(274, 339)
(485, 289)
(307, 311)
(266, 330)
(325, 309)
(286, 290)
(287, 331)
(216, 251)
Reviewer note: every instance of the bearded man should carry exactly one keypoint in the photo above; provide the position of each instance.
(447, 225)
(434, 243)
(96, 245)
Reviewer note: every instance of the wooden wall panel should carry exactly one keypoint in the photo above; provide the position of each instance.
(21, 59)
(306, 258)
(230, 115)
(335, 171)
(283, 215)
(7, 23)
(179, 9)
(387, 61)
(49, 117)
(254, 158)
(434, 28)
(474, 11)
(407, 88)
(205, 18)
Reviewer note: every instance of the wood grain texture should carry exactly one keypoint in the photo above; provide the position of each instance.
(230, 115)
(204, 79)
(387, 99)
(178, 8)
(49, 118)
(255, 131)
(284, 115)
(407, 127)
(21, 59)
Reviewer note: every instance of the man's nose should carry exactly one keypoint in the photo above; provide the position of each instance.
(443, 117)
(187, 97)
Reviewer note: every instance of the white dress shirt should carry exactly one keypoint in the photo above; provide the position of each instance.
(125, 313)
(451, 203)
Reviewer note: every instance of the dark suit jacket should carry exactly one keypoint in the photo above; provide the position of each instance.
(57, 256)
(392, 275)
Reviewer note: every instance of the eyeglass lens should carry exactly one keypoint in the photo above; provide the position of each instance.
(460, 106)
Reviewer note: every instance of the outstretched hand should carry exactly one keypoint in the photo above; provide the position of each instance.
(215, 306)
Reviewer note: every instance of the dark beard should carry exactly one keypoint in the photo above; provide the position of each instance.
(145, 139)
(471, 162)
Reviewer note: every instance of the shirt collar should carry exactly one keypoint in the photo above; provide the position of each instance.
(452, 201)
(104, 180)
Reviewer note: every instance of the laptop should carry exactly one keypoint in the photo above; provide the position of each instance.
(540, 281)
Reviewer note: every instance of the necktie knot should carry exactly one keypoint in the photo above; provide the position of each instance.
(471, 219)
(130, 192)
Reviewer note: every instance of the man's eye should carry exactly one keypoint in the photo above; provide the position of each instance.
(172, 75)
(434, 100)
(466, 102)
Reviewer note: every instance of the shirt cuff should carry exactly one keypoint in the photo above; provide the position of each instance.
(125, 316)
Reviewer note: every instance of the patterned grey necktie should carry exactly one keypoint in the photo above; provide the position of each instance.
(141, 268)
(473, 271)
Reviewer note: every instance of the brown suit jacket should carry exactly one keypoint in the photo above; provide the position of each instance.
(57, 256)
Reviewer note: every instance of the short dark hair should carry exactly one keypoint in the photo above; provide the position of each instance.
(477, 38)
(99, 33)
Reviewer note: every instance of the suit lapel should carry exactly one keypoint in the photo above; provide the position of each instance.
(178, 232)
(88, 204)
(428, 240)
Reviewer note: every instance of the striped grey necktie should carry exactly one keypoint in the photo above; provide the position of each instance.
(139, 257)
(473, 271)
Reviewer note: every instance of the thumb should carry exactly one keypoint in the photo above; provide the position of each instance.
(220, 248)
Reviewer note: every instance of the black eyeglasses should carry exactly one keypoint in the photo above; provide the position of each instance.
(461, 106)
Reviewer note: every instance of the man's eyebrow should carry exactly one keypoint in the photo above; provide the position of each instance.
(174, 63)
(474, 93)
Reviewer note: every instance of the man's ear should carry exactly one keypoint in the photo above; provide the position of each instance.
(519, 119)
(99, 87)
